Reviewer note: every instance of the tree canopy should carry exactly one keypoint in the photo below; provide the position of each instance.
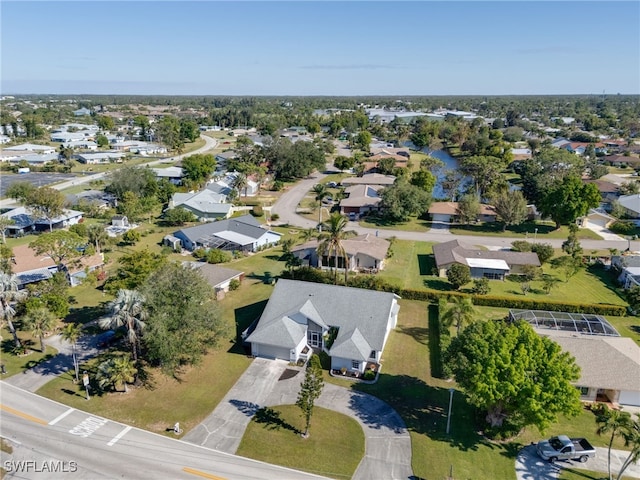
(564, 202)
(403, 200)
(517, 377)
(198, 168)
(45, 202)
(183, 323)
(59, 245)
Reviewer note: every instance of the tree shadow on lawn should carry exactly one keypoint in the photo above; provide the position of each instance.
(419, 334)
(437, 283)
(86, 314)
(272, 420)
(244, 317)
(607, 279)
(424, 409)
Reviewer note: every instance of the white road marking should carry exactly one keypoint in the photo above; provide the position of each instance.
(88, 426)
(118, 436)
(61, 416)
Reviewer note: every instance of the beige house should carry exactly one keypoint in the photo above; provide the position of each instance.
(365, 253)
(361, 199)
(448, 212)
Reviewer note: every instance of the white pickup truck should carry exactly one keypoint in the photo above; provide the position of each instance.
(565, 448)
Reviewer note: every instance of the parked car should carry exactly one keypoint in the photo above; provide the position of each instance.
(564, 448)
(332, 184)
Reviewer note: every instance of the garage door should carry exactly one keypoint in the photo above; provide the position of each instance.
(441, 217)
(268, 351)
(629, 398)
(597, 221)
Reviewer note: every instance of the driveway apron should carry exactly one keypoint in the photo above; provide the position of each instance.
(387, 441)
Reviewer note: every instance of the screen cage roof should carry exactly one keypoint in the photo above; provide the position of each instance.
(583, 323)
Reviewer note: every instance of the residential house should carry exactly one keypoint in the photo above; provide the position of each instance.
(361, 199)
(490, 264)
(24, 222)
(621, 160)
(521, 153)
(448, 212)
(31, 147)
(100, 157)
(596, 217)
(218, 277)
(30, 267)
(370, 179)
(631, 205)
(609, 192)
(82, 112)
(173, 174)
(351, 325)
(240, 233)
(365, 253)
(95, 198)
(629, 268)
(223, 157)
(4, 139)
(120, 221)
(609, 364)
(78, 268)
(205, 205)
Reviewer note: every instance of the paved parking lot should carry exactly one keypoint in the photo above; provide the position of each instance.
(36, 178)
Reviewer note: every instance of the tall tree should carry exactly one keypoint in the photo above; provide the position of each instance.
(184, 323)
(402, 200)
(116, 371)
(45, 202)
(9, 293)
(514, 375)
(460, 313)
(613, 423)
(60, 245)
(568, 200)
(133, 270)
(631, 436)
(198, 168)
(39, 321)
(458, 275)
(71, 333)
(240, 183)
(20, 191)
(310, 390)
(128, 310)
(97, 236)
(468, 208)
(423, 179)
(330, 242)
(511, 208)
(5, 222)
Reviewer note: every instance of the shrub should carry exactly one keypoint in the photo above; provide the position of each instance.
(480, 286)
(459, 275)
(369, 375)
(130, 237)
(623, 227)
(275, 217)
(544, 251)
(257, 211)
(521, 246)
(199, 253)
(234, 284)
(215, 255)
(277, 186)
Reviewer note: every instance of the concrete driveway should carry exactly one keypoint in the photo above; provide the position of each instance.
(529, 466)
(387, 441)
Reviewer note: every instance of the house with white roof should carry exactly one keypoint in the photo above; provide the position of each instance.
(100, 157)
(32, 147)
(82, 112)
(351, 325)
(631, 205)
(173, 174)
(240, 233)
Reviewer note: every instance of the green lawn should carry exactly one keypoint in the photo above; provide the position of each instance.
(14, 363)
(412, 265)
(524, 230)
(580, 474)
(334, 448)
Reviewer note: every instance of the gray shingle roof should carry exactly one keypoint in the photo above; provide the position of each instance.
(245, 225)
(351, 345)
(214, 274)
(347, 308)
(455, 252)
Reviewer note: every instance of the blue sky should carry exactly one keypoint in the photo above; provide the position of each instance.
(320, 48)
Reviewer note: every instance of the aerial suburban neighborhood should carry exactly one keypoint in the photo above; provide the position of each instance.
(291, 285)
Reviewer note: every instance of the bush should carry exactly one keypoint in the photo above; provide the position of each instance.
(234, 284)
(623, 227)
(521, 246)
(257, 211)
(369, 375)
(215, 255)
(480, 286)
(458, 275)
(277, 186)
(544, 251)
(275, 217)
(131, 237)
(199, 253)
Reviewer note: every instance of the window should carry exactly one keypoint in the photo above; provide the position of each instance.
(314, 339)
(373, 354)
(583, 391)
(355, 364)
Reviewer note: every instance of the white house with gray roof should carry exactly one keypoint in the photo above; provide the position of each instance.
(631, 205)
(351, 324)
(206, 205)
(240, 233)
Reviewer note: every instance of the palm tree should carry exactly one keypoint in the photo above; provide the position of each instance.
(631, 436)
(9, 293)
(40, 320)
(71, 333)
(97, 236)
(320, 190)
(127, 309)
(330, 242)
(460, 313)
(240, 183)
(613, 422)
(308, 234)
(116, 371)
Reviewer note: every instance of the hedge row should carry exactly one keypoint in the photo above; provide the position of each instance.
(372, 282)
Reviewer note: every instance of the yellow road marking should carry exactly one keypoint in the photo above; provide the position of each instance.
(193, 471)
(23, 415)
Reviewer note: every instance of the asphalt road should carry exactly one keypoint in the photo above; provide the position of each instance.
(47, 436)
(286, 206)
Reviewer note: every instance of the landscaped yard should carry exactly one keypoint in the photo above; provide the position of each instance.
(334, 448)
